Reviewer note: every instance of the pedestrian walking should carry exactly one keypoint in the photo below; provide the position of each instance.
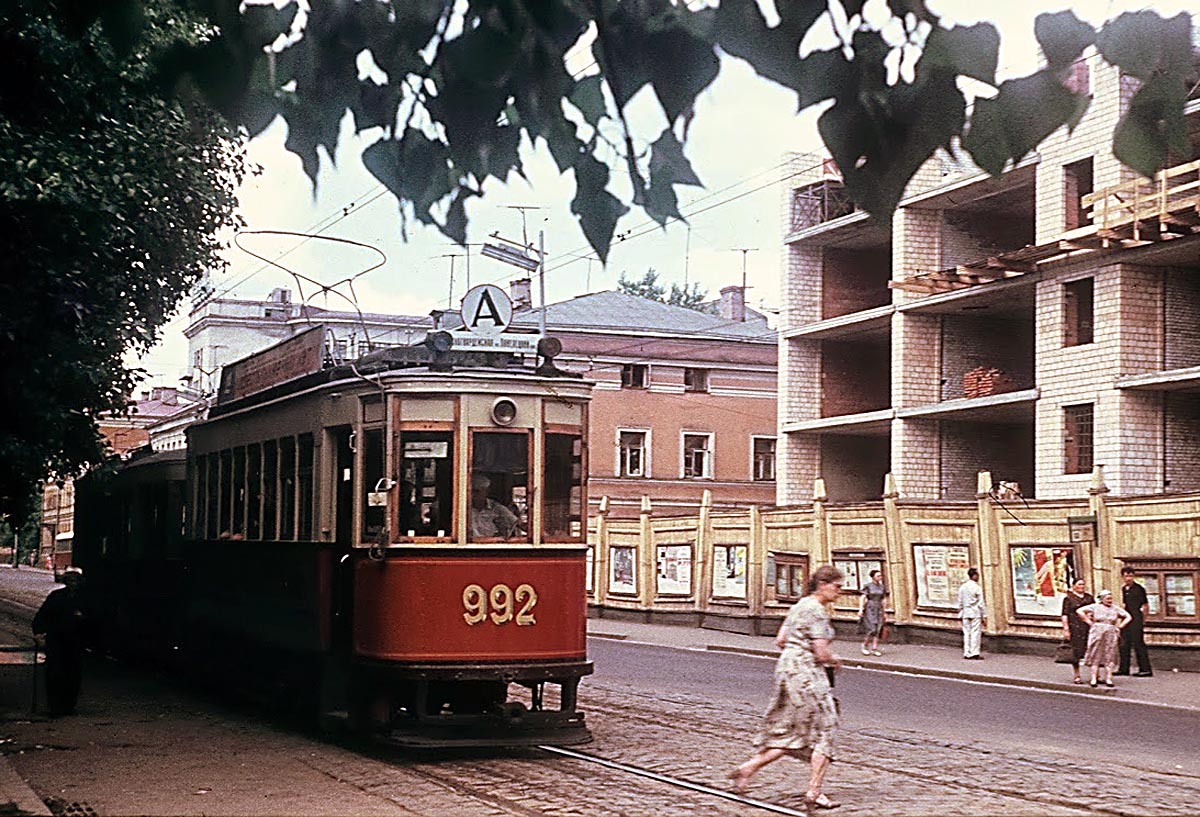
(60, 619)
(1105, 622)
(1075, 629)
(1133, 639)
(871, 615)
(802, 718)
(973, 614)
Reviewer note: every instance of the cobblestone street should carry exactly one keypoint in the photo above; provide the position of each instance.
(140, 746)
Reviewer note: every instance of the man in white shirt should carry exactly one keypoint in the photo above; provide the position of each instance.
(489, 519)
(973, 614)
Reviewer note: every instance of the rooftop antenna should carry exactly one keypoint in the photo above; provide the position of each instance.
(524, 231)
(744, 251)
(450, 295)
(687, 256)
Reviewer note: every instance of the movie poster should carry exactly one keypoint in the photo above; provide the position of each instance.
(622, 575)
(674, 570)
(1041, 577)
(729, 571)
(940, 570)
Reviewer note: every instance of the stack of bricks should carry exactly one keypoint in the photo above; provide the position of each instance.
(982, 381)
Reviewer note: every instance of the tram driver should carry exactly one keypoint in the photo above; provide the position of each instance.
(489, 518)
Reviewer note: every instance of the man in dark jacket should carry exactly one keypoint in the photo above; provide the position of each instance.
(60, 619)
(1133, 639)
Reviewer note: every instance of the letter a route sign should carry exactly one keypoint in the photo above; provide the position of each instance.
(486, 314)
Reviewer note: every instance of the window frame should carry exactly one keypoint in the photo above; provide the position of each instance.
(690, 376)
(864, 562)
(710, 449)
(1078, 458)
(1160, 569)
(426, 427)
(619, 469)
(754, 438)
(628, 370)
(473, 432)
(1078, 329)
(576, 433)
(791, 562)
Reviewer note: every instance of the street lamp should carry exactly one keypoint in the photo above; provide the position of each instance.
(507, 252)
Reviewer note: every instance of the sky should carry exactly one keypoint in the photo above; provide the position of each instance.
(743, 129)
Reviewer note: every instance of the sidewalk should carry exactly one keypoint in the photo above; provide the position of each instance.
(1177, 690)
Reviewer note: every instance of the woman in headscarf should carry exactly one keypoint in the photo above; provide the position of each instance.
(802, 718)
(1105, 622)
(1075, 629)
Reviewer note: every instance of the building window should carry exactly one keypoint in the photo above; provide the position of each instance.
(1077, 183)
(634, 375)
(631, 454)
(786, 575)
(697, 456)
(695, 379)
(763, 466)
(1078, 312)
(1078, 422)
(1170, 588)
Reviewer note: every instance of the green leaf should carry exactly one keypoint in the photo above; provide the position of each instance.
(587, 96)
(413, 168)
(668, 162)
(597, 210)
(1015, 121)
(262, 24)
(1153, 126)
(742, 31)
(972, 51)
(1141, 43)
(680, 66)
(1062, 36)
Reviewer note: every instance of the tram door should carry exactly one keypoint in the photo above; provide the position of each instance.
(343, 479)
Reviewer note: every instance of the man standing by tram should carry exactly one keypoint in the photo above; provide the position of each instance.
(61, 620)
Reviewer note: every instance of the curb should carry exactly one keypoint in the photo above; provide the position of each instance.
(16, 793)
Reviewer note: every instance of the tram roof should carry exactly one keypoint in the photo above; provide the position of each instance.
(409, 361)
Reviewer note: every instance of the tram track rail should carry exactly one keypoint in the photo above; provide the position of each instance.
(700, 788)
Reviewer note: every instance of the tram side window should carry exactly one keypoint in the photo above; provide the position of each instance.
(562, 511)
(200, 469)
(238, 531)
(499, 486)
(426, 484)
(304, 485)
(226, 490)
(254, 491)
(211, 521)
(287, 488)
(374, 513)
(270, 488)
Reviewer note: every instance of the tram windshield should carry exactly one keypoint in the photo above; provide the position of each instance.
(499, 486)
(427, 484)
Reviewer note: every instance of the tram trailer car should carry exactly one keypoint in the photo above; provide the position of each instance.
(397, 543)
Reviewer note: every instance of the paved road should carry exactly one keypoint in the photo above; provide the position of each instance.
(1010, 720)
(911, 746)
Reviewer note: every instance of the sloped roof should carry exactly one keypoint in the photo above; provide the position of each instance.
(619, 312)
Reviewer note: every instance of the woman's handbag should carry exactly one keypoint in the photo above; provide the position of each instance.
(1064, 653)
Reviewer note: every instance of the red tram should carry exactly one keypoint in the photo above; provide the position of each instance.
(398, 541)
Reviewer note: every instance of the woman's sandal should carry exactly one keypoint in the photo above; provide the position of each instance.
(819, 801)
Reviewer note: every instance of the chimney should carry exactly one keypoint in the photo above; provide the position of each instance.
(521, 293)
(733, 303)
(279, 295)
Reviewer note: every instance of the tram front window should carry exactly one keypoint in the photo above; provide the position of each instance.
(499, 486)
(427, 484)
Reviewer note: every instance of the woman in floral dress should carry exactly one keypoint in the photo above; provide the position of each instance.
(802, 718)
(1105, 622)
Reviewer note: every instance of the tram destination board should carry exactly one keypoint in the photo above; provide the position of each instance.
(294, 357)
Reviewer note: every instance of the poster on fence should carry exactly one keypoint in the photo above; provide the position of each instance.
(729, 571)
(622, 576)
(1041, 577)
(674, 570)
(940, 570)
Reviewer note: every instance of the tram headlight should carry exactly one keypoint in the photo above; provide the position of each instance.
(504, 411)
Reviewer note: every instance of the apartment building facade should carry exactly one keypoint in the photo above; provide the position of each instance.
(1034, 326)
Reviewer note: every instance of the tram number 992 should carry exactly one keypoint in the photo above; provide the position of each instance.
(502, 604)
